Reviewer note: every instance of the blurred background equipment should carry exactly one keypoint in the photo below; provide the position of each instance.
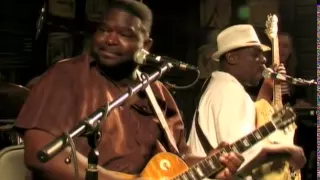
(12, 97)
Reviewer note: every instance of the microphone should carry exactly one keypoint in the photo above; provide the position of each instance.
(269, 73)
(143, 57)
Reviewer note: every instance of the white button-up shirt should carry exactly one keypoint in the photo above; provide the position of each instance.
(226, 113)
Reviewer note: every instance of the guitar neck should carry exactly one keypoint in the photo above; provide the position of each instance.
(277, 94)
(211, 165)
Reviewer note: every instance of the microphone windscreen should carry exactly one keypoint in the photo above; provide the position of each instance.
(140, 56)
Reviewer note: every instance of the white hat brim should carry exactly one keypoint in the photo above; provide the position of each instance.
(217, 54)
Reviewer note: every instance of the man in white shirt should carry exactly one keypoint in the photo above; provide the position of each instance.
(226, 112)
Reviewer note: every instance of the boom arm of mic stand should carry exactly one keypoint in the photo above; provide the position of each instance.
(305, 82)
(89, 123)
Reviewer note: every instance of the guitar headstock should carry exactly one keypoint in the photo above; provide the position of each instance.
(272, 26)
(284, 118)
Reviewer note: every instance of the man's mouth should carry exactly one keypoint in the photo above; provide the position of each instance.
(108, 54)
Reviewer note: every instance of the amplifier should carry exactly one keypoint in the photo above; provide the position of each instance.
(306, 137)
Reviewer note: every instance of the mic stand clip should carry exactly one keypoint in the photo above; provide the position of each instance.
(93, 135)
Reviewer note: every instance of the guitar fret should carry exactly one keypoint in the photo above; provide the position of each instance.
(192, 174)
(211, 164)
(245, 142)
(252, 140)
(240, 146)
(206, 168)
(264, 131)
(234, 148)
(199, 171)
(270, 127)
(203, 168)
(257, 134)
(215, 160)
(223, 151)
(228, 149)
(180, 177)
(218, 154)
(185, 177)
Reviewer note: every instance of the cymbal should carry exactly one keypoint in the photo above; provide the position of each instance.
(12, 97)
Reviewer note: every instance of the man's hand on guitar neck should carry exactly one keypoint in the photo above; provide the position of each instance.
(281, 69)
(232, 161)
(266, 90)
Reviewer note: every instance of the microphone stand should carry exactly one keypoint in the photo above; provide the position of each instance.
(93, 156)
(90, 126)
(303, 82)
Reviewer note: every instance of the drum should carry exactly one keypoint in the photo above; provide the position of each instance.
(8, 136)
(12, 97)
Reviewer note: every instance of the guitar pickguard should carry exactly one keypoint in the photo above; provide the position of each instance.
(278, 170)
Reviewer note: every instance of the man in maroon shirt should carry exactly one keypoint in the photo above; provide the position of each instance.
(74, 88)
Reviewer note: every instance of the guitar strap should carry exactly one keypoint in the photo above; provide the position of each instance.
(202, 138)
(160, 116)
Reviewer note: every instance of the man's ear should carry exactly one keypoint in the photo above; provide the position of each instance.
(147, 44)
(231, 58)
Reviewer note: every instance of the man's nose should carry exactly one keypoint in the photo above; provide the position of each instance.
(112, 38)
(262, 60)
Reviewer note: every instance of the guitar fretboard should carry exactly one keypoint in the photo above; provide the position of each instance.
(277, 93)
(211, 165)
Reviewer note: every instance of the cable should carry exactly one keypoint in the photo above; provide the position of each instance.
(73, 153)
(186, 86)
(145, 77)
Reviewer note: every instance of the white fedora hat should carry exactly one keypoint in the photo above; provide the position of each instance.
(235, 37)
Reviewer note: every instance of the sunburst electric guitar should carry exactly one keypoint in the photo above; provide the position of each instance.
(167, 166)
(274, 170)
